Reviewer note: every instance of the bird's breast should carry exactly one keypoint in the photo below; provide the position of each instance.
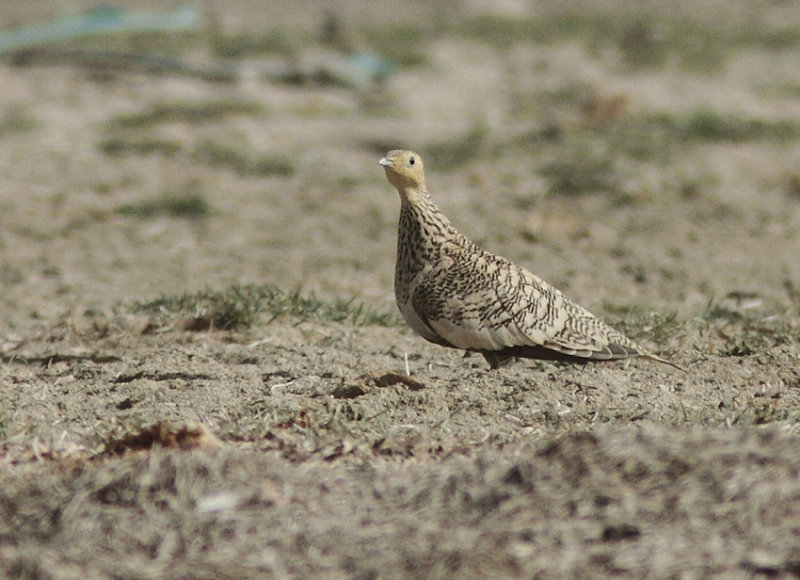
(404, 293)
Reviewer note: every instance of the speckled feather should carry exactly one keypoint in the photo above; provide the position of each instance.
(453, 293)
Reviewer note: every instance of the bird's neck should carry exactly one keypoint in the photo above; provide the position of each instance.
(422, 230)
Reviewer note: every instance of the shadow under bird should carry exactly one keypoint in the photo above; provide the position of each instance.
(455, 294)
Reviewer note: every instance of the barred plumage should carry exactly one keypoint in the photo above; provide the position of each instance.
(453, 293)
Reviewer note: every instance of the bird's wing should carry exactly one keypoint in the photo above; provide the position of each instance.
(483, 302)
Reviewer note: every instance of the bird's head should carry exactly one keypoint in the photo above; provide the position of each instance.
(404, 170)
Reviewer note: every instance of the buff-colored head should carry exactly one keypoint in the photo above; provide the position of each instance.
(404, 170)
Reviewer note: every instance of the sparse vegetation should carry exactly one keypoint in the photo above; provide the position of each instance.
(402, 45)
(458, 151)
(747, 331)
(582, 168)
(221, 155)
(250, 451)
(186, 112)
(584, 160)
(242, 306)
(638, 138)
(713, 126)
(181, 206)
(643, 40)
(504, 31)
(243, 44)
(640, 45)
(212, 153)
(641, 136)
(117, 147)
(640, 323)
(16, 120)
(4, 422)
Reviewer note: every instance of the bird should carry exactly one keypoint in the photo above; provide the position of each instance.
(455, 294)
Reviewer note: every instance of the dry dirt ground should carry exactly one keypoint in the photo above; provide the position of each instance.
(202, 374)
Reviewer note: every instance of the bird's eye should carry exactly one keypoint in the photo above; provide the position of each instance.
(411, 161)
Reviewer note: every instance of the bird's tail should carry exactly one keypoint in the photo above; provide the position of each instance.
(656, 358)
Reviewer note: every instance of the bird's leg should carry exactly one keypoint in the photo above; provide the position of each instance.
(491, 358)
(497, 360)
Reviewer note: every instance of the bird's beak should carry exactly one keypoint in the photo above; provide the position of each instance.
(386, 162)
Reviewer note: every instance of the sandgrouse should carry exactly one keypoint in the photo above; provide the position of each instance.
(455, 294)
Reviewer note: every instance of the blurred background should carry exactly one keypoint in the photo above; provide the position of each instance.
(632, 155)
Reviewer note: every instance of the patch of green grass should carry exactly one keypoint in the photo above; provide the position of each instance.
(5, 420)
(243, 44)
(505, 31)
(188, 112)
(404, 45)
(697, 48)
(172, 44)
(745, 344)
(638, 138)
(747, 331)
(706, 125)
(16, 120)
(643, 323)
(694, 45)
(243, 306)
(642, 136)
(790, 90)
(649, 42)
(581, 168)
(270, 165)
(458, 151)
(586, 159)
(642, 40)
(640, 45)
(191, 206)
(220, 155)
(117, 147)
(207, 152)
(716, 312)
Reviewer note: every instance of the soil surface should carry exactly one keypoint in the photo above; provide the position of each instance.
(644, 162)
